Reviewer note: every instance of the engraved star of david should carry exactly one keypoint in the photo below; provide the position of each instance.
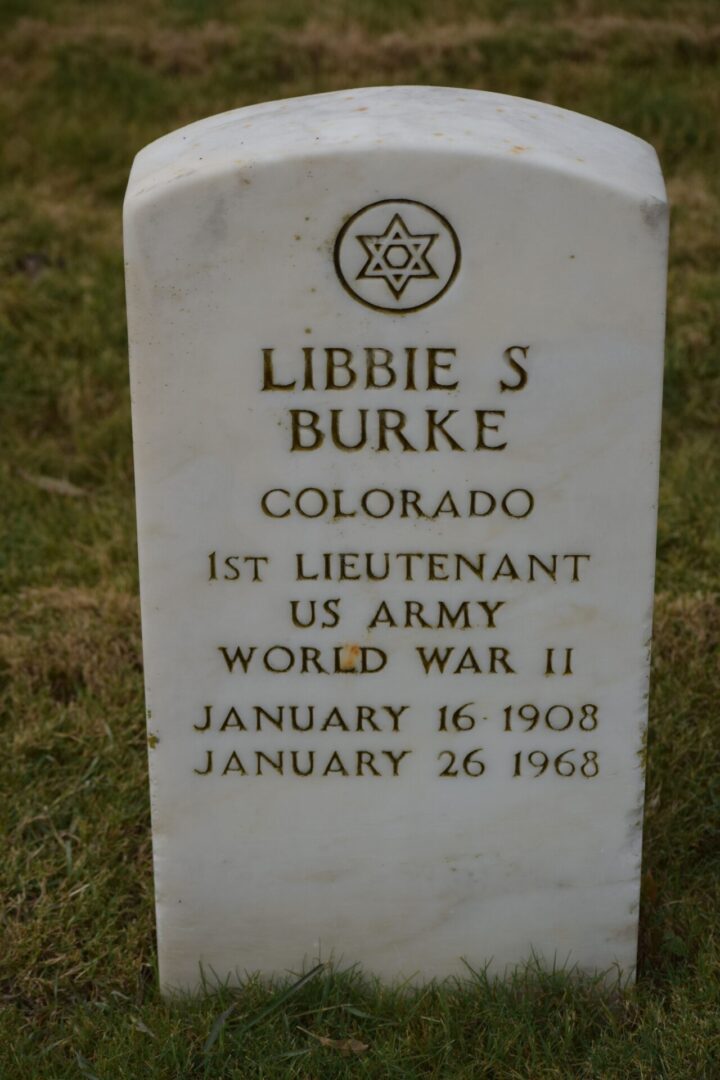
(397, 256)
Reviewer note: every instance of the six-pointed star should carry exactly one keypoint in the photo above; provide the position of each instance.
(397, 256)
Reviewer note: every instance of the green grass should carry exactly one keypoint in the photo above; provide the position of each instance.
(82, 87)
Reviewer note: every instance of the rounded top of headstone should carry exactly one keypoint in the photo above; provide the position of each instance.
(394, 119)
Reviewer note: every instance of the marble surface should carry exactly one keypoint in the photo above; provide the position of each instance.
(396, 361)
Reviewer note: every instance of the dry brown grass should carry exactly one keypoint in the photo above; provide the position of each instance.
(340, 44)
(686, 633)
(69, 641)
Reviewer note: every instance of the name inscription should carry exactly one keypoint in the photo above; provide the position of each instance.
(430, 371)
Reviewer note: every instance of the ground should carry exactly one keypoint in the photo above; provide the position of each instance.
(82, 87)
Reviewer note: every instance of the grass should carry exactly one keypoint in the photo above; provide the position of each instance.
(82, 87)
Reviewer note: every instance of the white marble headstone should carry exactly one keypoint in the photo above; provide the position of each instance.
(396, 368)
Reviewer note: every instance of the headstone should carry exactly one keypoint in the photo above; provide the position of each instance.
(396, 369)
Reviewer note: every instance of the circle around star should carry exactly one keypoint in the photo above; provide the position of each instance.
(397, 255)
